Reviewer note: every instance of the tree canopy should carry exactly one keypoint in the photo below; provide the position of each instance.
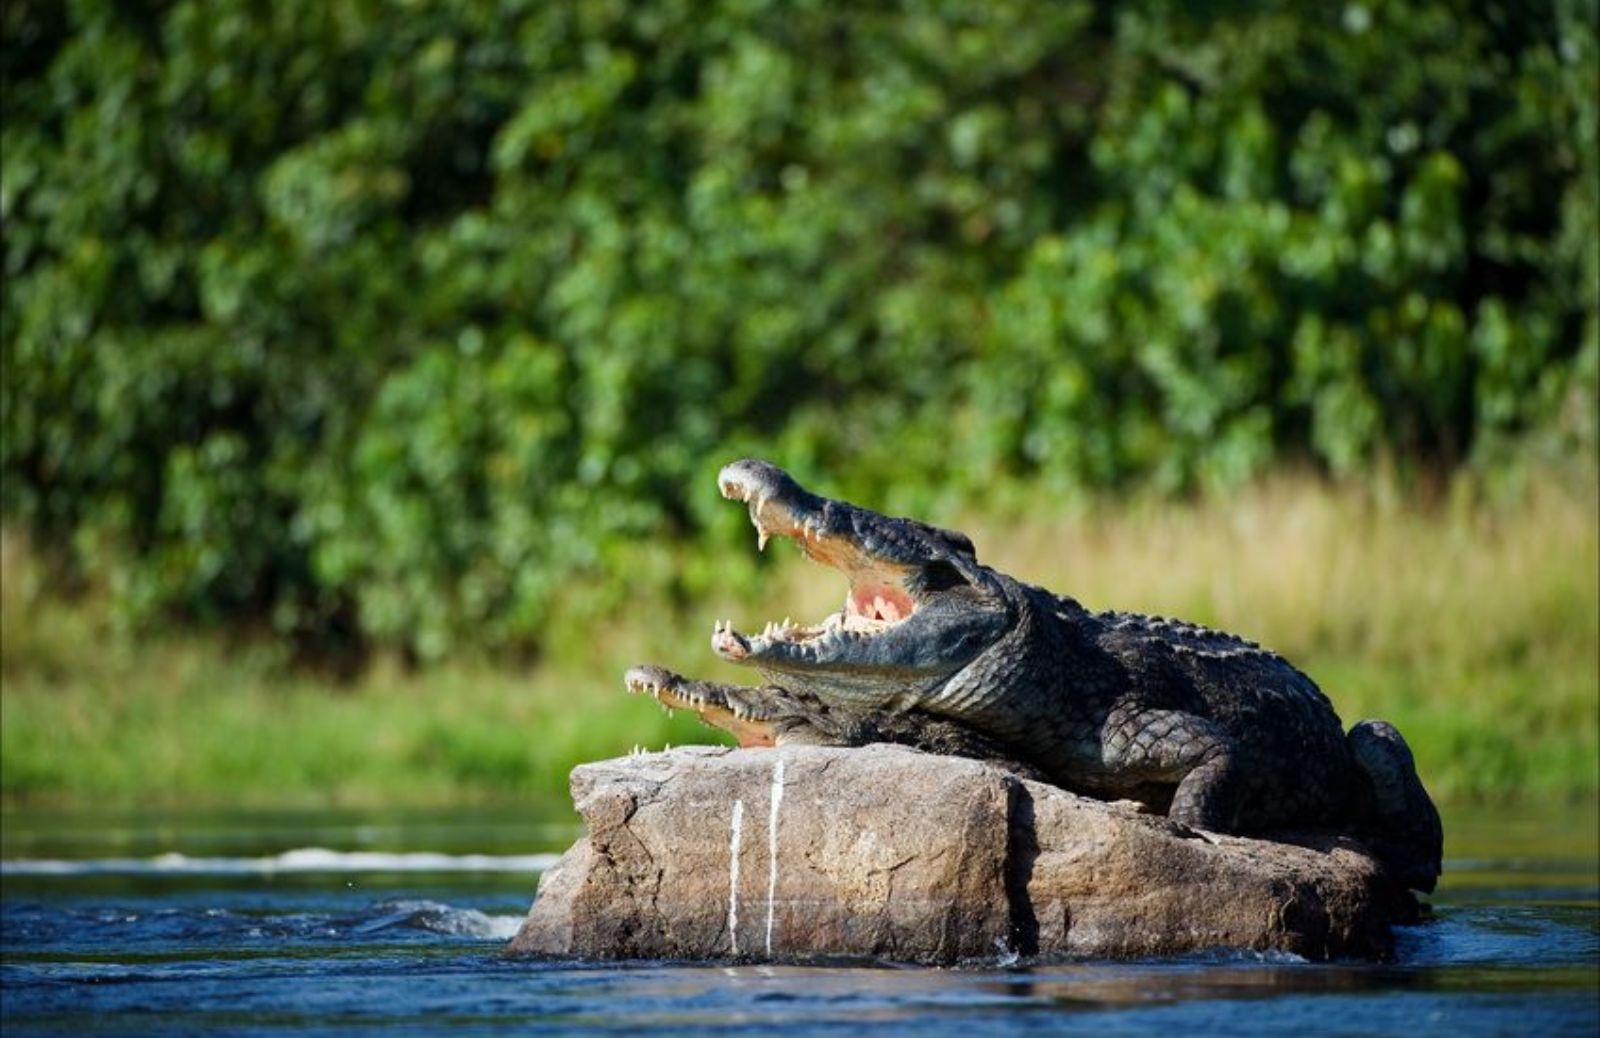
(393, 323)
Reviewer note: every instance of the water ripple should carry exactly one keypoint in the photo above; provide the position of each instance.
(307, 860)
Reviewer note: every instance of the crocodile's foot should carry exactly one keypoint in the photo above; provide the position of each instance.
(730, 708)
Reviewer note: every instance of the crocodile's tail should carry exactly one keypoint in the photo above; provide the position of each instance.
(1407, 834)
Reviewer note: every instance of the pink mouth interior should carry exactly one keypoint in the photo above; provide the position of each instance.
(880, 602)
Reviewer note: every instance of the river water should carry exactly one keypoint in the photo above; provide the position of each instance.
(302, 923)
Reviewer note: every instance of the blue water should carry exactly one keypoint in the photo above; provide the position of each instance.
(293, 924)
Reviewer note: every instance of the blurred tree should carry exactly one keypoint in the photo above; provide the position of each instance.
(401, 323)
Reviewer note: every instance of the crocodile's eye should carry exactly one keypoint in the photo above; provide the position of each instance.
(961, 543)
(938, 576)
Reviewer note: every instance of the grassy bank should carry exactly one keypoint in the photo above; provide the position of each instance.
(1471, 625)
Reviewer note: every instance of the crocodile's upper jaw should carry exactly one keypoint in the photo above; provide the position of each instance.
(920, 607)
(879, 596)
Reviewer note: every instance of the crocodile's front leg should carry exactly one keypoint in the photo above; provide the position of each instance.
(1147, 746)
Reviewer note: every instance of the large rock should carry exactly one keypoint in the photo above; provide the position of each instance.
(882, 851)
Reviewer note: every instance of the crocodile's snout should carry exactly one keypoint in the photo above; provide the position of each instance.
(748, 478)
(778, 505)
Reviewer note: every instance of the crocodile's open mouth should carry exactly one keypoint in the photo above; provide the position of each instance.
(879, 597)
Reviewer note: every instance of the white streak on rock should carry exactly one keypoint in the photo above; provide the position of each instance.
(735, 829)
(772, 847)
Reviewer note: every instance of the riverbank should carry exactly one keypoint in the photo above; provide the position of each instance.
(1470, 623)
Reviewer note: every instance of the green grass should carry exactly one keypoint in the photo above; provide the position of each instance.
(1472, 625)
(88, 717)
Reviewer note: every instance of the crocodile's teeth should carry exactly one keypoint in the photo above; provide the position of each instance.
(730, 644)
(762, 534)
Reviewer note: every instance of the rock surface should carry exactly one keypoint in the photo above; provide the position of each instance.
(810, 852)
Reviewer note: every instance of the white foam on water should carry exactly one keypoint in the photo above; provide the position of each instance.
(735, 832)
(437, 917)
(772, 847)
(494, 927)
(300, 860)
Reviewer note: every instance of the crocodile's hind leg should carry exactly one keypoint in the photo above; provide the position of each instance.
(1139, 748)
(1409, 837)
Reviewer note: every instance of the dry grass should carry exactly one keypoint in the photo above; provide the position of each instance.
(1473, 626)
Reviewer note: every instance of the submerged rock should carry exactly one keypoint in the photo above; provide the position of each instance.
(881, 851)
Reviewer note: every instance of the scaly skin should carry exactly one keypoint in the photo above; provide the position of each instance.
(934, 649)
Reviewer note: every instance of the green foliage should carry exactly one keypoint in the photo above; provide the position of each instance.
(403, 324)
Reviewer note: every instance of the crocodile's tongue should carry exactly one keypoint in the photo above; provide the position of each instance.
(887, 602)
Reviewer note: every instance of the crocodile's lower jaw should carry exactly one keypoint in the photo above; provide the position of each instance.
(748, 733)
(748, 730)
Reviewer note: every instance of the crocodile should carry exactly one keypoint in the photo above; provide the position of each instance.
(935, 650)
